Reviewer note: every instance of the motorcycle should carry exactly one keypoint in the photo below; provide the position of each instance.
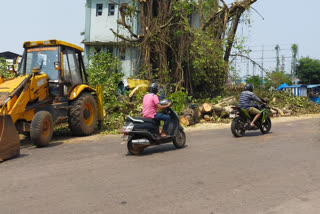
(242, 119)
(144, 132)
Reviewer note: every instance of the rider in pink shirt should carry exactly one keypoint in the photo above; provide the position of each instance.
(150, 102)
(150, 105)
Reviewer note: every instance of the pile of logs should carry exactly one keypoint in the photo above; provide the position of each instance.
(207, 111)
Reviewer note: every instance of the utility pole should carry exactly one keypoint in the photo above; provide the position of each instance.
(262, 66)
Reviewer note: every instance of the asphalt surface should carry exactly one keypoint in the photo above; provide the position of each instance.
(215, 173)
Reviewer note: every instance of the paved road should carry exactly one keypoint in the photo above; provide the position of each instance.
(216, 173)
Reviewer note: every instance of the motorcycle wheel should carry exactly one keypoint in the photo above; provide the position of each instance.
(134, 150)
(266, 126)
(237, 127)
(180, 139)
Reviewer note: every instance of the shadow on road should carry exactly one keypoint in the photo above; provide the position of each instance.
(255, 134)
(159, 149)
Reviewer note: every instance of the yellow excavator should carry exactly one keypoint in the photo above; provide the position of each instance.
(50, 84)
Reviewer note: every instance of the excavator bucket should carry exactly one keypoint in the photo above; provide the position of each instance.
(9, 138)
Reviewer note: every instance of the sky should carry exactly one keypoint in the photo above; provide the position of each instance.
(285, 22)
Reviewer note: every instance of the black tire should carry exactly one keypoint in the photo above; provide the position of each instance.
(266, 126)
(83, 115)
(237, 127)
(134, 150)
(41, 128)
(180, 139)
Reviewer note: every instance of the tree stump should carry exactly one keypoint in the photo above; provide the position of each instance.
(190, 116)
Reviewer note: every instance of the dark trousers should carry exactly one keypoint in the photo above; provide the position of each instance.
(165, 118)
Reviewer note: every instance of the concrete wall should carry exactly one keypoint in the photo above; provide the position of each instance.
(98, 34)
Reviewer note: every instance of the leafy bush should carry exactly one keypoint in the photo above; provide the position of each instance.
(4, 68)
(104, 69)
(179, 100)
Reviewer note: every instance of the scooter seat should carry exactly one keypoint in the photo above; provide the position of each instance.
(146, 120)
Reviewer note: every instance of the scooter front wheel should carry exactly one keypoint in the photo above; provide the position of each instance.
(133, 149)
(180, 139)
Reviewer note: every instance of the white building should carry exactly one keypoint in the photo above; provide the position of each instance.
(101, 15)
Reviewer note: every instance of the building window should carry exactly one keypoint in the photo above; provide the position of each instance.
(99, 9)
(110, 50)
(111, 9)
(122, 53)
(97, 49)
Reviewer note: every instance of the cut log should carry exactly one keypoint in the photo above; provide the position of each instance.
(273, 113)
(227, 101)
(206, 108)
(280, 112)
(218, 108)
(184, 121)
(190, 116)
(207, 117)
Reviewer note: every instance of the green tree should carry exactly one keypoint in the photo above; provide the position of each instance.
(254, 80)
(4, 68)
(274, 79)
(309, 70)
(104, 69)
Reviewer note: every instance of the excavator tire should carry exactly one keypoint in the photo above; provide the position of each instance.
(41, 128)
(83, 115)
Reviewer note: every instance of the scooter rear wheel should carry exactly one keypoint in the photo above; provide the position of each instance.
(180, 139)
(134, 150)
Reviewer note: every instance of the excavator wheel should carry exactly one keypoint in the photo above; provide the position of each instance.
(83, 115)
(41, 128)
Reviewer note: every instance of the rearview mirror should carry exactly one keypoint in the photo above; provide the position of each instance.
(57, 66)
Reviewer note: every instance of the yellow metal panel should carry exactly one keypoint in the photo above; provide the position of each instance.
(20, 105)
(11, 103)
(10, 85)
(136, 82)
(99, 93)
(39, 87)
(78, 89)
(27, 116)
(52, 42)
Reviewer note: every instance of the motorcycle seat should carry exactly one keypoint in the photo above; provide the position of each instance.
(145, 120)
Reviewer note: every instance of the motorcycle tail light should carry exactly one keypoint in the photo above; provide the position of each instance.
(127, 128)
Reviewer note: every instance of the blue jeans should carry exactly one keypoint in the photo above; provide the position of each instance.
(165, 118)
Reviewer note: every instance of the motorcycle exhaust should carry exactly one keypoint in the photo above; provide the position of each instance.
(141, 142)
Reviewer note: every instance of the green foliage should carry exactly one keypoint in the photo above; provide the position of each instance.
(4, 68)
(208, 65)
(179, 100)
(104, 69)
(309, 71)
(275, 79)
(255, 81)
(282, 99)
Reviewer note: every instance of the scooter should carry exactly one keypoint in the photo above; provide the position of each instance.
(144, 132)
(242, 119)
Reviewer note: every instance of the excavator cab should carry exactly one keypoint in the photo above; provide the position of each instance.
(50, 83)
